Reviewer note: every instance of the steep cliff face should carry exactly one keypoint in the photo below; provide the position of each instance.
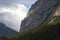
(39, 12)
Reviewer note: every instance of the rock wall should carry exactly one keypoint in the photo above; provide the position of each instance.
(57, 12)
(39, 12)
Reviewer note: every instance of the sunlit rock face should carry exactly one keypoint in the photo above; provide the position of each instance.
(57, 12)
(39, 12)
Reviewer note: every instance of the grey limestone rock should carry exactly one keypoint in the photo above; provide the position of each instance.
(39, 12)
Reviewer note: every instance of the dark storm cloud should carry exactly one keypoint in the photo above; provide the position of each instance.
(8, 2)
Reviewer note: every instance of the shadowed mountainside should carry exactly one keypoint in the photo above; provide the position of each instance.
(5, 31)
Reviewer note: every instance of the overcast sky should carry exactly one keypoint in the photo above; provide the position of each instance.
(12, 12)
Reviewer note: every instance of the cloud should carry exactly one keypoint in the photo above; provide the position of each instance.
(13, 2)
(8, 2)
(12, 17)
(28, 3)
(12, 12)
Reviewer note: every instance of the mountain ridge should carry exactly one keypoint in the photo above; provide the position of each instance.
(6, 31)
(39, 12)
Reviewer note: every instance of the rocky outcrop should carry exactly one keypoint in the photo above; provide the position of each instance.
(57, 12)
(39, 12)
